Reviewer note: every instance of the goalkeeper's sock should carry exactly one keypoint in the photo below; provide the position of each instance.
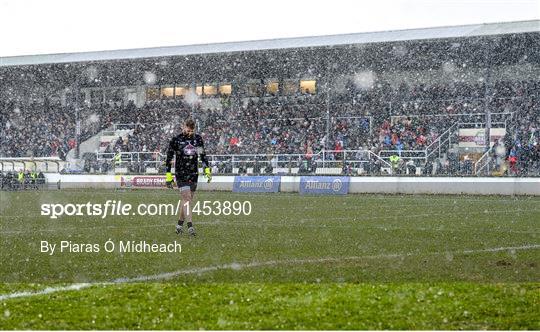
(189, 224)
(180, 222)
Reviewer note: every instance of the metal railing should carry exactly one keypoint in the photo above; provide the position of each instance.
(407, 154)
(482, 164)
(140, 159)
(111, 131)
(44, 164)
(322, 159)
(424, 154)
(481, 125)
(445, 137)
(499, 116)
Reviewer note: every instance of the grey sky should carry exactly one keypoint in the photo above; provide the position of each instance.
(59, 26)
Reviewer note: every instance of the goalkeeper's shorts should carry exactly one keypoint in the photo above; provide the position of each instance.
(185, 181)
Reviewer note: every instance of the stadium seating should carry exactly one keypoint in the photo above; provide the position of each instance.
(292, 125)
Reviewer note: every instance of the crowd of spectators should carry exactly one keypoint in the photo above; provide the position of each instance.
(523, 141)
(382, 118)
(256, 127)
(36, 130)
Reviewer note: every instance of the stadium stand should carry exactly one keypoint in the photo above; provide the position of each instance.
(270, 127)
(392, 104)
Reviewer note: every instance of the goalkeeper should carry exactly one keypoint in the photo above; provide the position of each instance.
(188, 147)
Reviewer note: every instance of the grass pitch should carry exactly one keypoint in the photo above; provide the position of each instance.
(296, 262)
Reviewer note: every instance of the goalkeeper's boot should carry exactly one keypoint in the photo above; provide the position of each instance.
(179, 230)
(191, 231)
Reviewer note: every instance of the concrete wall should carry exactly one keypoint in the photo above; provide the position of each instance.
(383, 185)
(82, 181)
(446, 185)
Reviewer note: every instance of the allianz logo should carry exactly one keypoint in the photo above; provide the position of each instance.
(335, 185)
(267, 184)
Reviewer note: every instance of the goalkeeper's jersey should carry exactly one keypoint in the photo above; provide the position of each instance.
(187, 149)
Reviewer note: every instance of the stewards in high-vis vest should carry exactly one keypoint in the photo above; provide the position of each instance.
(117, 159)
(394, 161)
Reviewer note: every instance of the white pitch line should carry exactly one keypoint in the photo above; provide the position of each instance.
(47, 290)
(524, 247)
(240, 266)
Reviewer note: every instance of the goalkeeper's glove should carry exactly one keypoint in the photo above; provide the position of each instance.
(169, 180)
(208, 174)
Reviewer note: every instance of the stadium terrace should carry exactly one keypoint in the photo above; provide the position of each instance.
(414, 102)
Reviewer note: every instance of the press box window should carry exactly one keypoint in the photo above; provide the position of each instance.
(308, 87)
(181, 90)
(167, 92)
(210, 90)
(225, 89)
(272, 88)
